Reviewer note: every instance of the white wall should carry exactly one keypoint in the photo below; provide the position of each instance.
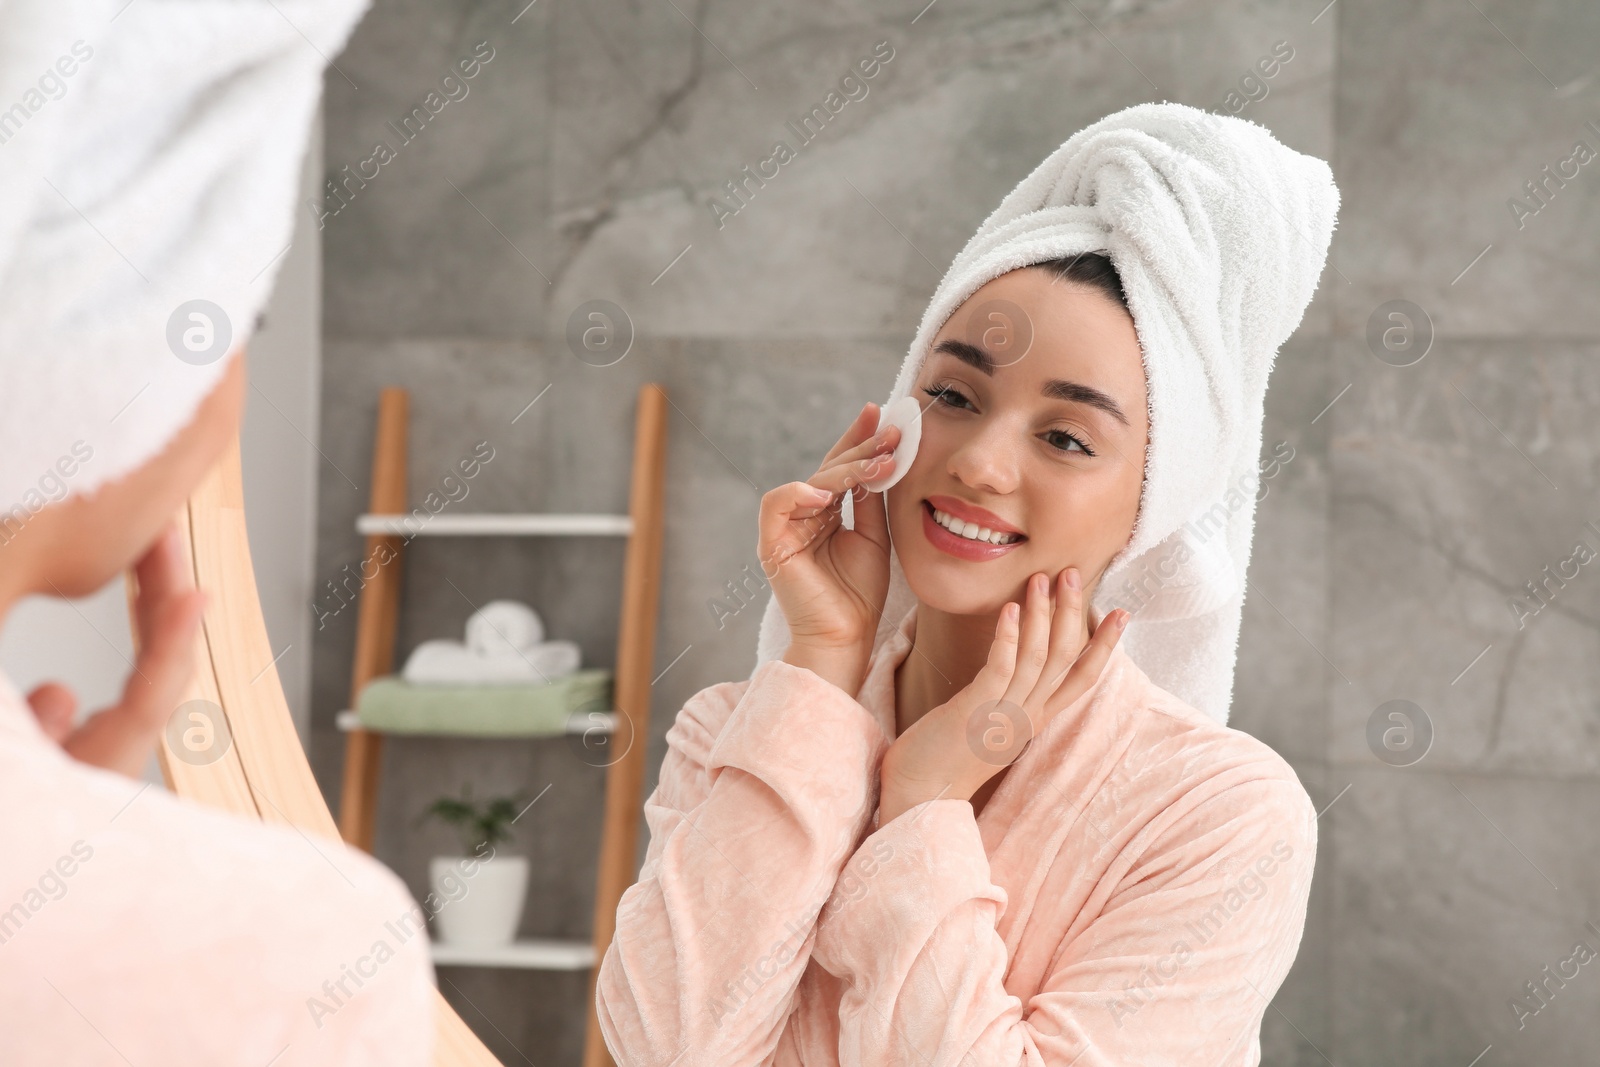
(86, 643)
(281, 424)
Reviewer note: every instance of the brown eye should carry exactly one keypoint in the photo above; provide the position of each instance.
(1063, 441)
(944, 394)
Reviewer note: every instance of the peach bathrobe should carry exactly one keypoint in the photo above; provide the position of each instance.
(139, 928)
(1132, 894)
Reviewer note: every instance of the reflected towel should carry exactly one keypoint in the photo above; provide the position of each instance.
(502, 626)
(453, 663)
(391, 705)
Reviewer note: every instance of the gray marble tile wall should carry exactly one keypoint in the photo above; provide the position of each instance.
(583, 162)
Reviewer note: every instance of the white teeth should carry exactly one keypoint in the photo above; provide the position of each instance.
(971, 530)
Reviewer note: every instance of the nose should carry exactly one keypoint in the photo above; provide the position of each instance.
(989, 460)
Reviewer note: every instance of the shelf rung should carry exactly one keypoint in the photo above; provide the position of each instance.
(579, 723)
(490, 524)
(531, 954)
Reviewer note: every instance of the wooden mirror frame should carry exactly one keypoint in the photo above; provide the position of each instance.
(264, 774)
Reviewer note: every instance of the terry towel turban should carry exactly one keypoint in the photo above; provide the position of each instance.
(150, 154)
(1219, 233)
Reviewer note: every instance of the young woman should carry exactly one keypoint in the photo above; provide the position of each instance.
(1132, 889)
(975, 831)
(138, 927)
(142, 927)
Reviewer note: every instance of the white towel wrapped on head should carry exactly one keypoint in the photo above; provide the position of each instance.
(1219, 233)
(160, 172)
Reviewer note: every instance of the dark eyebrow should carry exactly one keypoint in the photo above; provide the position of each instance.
(971, 355)
(1055, 388)
(1078, 393)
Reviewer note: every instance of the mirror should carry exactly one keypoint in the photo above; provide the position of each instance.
(629, 156)
(573, 287)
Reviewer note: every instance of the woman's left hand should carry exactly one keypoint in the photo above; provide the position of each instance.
(1038, 665)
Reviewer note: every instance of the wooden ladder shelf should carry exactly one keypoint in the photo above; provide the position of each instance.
(378, 616)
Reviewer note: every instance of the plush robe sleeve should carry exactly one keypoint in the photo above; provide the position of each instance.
(141, 927)
(767, 788)
(1177, 968)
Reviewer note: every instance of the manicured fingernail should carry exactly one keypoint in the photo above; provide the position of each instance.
(1072, 577)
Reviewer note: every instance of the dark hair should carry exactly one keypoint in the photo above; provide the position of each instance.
(1090, 269)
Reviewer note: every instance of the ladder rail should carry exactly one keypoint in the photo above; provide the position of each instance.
(377, 617)
(644, 527)
(641, 598)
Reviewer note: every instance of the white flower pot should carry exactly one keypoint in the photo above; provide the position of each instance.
(480, 900)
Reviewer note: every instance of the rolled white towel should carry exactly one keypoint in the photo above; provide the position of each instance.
(504, 626)
(453, 663)
(556, 659)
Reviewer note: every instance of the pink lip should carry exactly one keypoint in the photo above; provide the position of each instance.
(960, 547)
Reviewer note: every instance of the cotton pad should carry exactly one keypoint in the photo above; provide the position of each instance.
(905, 413)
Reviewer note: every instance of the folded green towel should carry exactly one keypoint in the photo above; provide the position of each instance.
(390, 704)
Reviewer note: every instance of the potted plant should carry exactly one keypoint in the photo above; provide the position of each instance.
(480, 893)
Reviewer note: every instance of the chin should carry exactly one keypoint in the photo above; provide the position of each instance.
(950, 585)
(89, 541)
(78, 579)
(958, 594)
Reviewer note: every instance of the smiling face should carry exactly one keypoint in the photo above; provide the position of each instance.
(1033, 447)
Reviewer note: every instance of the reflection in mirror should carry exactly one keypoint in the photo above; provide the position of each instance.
(738, 598)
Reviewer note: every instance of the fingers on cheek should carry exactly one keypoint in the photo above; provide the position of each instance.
(1044, 604)
(1068, 620)
(1010, 621)
(1003, 655)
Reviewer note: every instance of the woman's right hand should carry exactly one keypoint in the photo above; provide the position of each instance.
(829, 581)
(167, 617)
